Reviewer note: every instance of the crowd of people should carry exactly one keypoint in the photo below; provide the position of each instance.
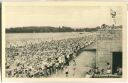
(44, 58)
(96, 72)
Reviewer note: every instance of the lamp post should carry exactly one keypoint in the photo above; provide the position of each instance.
(113, 16)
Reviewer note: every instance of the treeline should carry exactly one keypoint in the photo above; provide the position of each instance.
(35, 29)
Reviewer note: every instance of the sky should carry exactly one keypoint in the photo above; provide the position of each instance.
(72, 16)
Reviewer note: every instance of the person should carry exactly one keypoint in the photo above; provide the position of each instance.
(66, 61)
(108, 69)
(66, 71)
(45, 71)
(60, 62)
(63, 62)
(97, 71)
(48, 69)
(102, 71)
(119, 71)
(57, 66)
(88, 75)
(74, 67)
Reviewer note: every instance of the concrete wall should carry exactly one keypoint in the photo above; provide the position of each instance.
(108, 41)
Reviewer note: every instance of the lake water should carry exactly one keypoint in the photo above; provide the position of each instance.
(20, 36)
(17, 37)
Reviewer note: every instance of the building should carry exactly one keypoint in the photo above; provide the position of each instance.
(109, 48)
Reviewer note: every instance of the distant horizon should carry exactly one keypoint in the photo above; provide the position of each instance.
(74, 27)
(59, 26)
(52, 26)
(44, 29)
